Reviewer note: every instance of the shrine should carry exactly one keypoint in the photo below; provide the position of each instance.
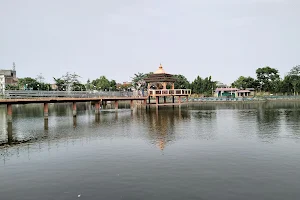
(162, 85)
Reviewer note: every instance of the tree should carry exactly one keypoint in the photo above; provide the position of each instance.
(113, 85)
(138, 81)
(181, 82)
(268, 78)
(60, 83)
(11, 87)
(78, 87)
(88, 85)
(28, 83)
(203, 86)
(245, 82)
(294, 78)
(71, 80)
(67, 82)
(40, 78)
(101, 83)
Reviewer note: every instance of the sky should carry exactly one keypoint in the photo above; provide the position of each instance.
(224, 39)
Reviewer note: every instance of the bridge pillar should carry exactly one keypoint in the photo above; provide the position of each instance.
(104, 104)
(97, 107)
(116, 104)
(173, 101)
(9, 113)
(179, 99)
(9, 133)
(46, 116)
(157, 101)
(165, 99)
(46, 124)
(74, 121)
(9, 123)
(131, 104)
(45, 110)
(74, 109)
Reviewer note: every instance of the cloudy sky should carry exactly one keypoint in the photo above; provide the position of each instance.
(117, 38)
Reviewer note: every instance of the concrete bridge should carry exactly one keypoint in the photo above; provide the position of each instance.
(97, 98)
(10, 94)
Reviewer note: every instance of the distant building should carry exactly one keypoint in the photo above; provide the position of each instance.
(2, 84)
(124, 86)
(221, 85)
(233, 92)
(252, 91)
(10, 76)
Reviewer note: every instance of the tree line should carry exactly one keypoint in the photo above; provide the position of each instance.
(267, 80)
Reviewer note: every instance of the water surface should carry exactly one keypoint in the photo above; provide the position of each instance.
(204, 151)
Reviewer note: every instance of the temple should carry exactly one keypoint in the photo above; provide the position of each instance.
(161, 84)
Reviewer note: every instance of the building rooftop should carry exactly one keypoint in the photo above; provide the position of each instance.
(241, 91)
(160, 70)
(227, 89)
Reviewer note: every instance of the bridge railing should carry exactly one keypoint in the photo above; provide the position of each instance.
(74, 94)
(173, 92)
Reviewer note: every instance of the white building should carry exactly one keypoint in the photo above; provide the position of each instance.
(2, 84)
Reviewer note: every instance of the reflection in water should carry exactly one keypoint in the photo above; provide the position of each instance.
(196, 152)
(46, 125)
(9, 132)
(74, 121)
(162, 126)
(268, 122)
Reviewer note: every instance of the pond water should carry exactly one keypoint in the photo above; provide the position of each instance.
(203, 151)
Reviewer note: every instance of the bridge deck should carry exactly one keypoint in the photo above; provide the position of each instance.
(67, 99)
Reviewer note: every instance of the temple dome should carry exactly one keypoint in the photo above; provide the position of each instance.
(160, 70)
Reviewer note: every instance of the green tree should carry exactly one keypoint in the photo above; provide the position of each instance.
(28, 83)
(268, 78)
(88, 85)
(78, 87)
(181, 82)
(294, 78)
(71, 80)
(138, 81)
(11, 87)
(101, 83)
(67, 82)
(203, 86)
(113, 85)
(245, 82)
(60, 83)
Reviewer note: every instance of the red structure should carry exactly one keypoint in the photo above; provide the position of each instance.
(161, 84)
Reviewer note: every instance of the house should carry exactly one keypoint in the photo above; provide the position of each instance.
(252, 91)
(233, 92)
(226, 92)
